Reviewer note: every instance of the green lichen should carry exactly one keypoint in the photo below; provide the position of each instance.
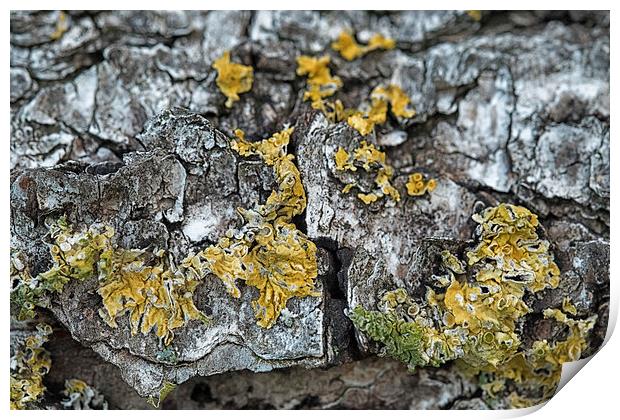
(402, 340)
(164, 391)
(471, 313)
(29, 365)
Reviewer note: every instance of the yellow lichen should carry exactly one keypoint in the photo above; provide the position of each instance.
(416, 185)
(473, 317)
(232, 78)
(475, 14)
(61, 26)
(81, 396)
(268, 252)
(28, 366)
(368, 157)
(321, 83)
(156, 296)
(364, 121)
(349, 49)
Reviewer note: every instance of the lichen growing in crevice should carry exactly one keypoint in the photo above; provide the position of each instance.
(28, 366)
(268, 252)
(321, 83)
(471, 313)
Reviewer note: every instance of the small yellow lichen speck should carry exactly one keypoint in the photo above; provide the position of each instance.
(475, 14)
(368, 157)
(416, 185)
(28, 366)
(61, 26)
(349, 49)
(232, 78)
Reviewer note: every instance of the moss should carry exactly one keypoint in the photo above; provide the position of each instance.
(472, 314)
(232, 78)
(28, 367)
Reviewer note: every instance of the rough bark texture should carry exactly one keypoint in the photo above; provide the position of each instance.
(120, 120)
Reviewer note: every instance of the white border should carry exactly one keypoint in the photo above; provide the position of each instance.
(593, 394)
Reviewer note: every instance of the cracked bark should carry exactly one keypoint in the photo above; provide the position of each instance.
(512, 109)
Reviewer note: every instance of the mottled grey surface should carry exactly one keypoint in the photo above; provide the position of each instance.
(514, 108)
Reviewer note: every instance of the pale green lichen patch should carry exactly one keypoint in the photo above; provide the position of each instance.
(164, 391)
(28, 366)
(472, 313)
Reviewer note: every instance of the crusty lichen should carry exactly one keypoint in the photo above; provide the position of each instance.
(349, 49)
(232, 78)
(81, 396)
(367, 156)
(471, 313)
(29, 365)
(268, 252)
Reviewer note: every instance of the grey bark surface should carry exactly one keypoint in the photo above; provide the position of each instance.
(120, 121)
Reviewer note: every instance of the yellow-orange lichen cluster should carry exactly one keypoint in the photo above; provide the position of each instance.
(471, 314)
(30, 363)
(268, 252)
(232, 78)
(370, 159)
(417, 185)
(349, 49)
